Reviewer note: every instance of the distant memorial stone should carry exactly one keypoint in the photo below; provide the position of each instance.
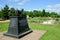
(18, 25)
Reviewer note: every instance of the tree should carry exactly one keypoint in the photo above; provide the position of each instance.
(11, 12)
(31, 14)
(26, 12)
(40, 13)
(53, 14)
(36, 13)
(0, 14)
(43, 13)
(5, 12)
(47, 14)
(58, 15)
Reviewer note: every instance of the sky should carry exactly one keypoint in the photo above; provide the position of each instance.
(48, 5)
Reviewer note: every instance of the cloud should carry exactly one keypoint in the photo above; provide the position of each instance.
(49, 6)
(34, 9)
(14, 0)
(20, 2)
(57, 5)
(23, 2)
(0, 5)
(10, 6)
(55, 8)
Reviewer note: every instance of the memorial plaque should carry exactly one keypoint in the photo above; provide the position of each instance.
(18, 25)
(13, 22)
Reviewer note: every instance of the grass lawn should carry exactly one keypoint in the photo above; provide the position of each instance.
(4, 26)
(53, 31)
(39, 18)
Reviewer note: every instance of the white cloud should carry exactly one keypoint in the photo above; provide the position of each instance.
(0, 5)
(10, 6)
(55, 8)
(35, 9)
(22, 2)
(14, 0)
(57, 5)
(49, 6)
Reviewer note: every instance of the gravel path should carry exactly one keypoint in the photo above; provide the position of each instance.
(35, 35)
(5, 21)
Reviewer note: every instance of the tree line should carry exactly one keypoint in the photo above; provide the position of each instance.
(5, 13)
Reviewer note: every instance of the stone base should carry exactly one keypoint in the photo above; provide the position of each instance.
(18, 36)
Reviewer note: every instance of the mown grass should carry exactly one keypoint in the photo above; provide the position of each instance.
(53, 30)
(4, 26)
(39, 18)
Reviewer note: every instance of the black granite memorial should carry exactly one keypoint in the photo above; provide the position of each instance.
(18, 26)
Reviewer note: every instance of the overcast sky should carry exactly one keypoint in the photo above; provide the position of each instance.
(48, 5)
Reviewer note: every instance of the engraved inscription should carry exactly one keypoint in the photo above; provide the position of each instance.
(13, 22)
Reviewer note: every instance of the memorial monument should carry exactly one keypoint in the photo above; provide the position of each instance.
(18, 26)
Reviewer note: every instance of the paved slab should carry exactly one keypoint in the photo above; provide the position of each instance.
(35, 35)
